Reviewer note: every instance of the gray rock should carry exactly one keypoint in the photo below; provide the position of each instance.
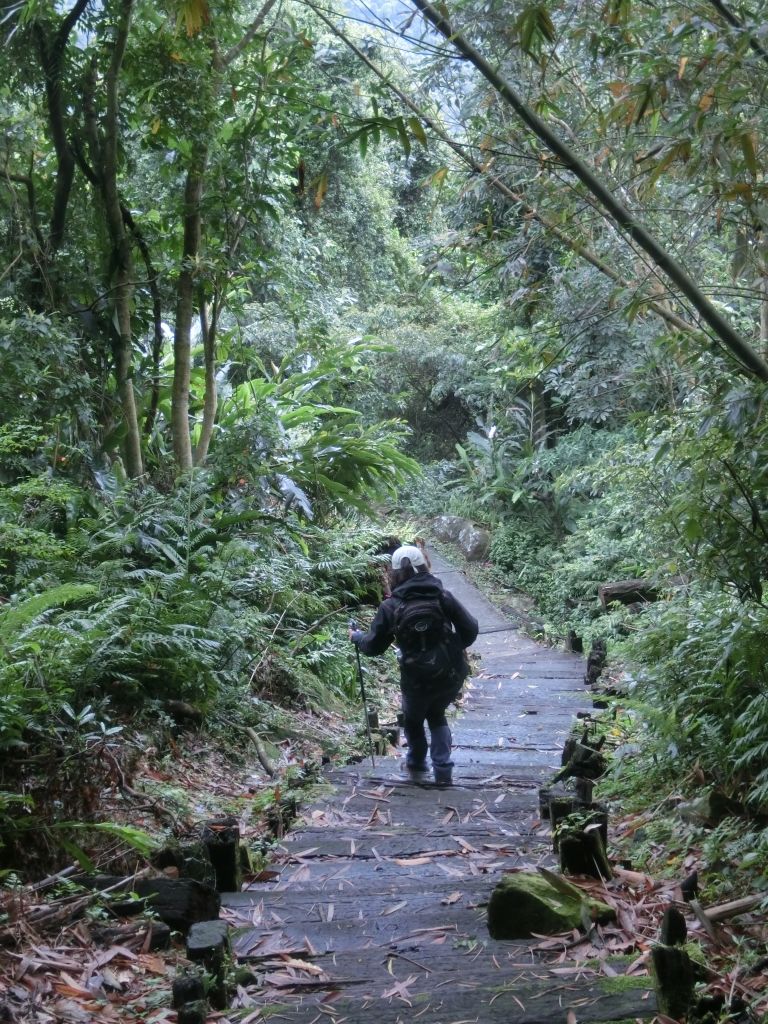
(474, 542)
(448, 528)
(708, 809)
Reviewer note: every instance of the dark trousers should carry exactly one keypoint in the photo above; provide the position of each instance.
(420, 705)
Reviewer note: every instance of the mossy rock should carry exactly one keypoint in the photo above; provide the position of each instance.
(525, 903)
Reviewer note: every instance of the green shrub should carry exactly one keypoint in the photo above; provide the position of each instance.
(704, 671)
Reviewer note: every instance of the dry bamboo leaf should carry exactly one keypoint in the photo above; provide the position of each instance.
(301, 965)
(453, 898)
(465, 845)
(72, 987)
(638, 964)
(109, 954)
(400, 990)
(68, 1011)
(393, 910)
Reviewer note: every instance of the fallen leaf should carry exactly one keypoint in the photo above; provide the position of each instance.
(393, 910)
(153, 964)
(301, 965)
(400, 990)
(465, 845)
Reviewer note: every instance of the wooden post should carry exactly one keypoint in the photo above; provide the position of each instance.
(221, 838)
(674, 977)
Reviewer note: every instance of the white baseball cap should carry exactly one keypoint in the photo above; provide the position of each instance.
(414, 555)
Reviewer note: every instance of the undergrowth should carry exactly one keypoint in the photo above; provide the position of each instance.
(158, 612)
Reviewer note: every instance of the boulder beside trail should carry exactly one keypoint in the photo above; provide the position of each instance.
(474, 542)
(448, 528)
(525, 903)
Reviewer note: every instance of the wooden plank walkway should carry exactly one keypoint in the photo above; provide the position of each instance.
(378, 912)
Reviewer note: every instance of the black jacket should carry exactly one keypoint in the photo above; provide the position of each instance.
(382, 631)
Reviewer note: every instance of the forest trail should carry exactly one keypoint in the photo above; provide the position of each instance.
(377, 912)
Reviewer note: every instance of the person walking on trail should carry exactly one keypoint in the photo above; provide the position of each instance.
(431, 630)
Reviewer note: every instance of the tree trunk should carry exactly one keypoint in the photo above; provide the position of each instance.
(51, 52)
(185, 293)
(157, 317)
(208, 330)
(121, 250)
(627, 222)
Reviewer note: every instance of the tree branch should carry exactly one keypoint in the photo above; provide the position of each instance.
(233, 53)
(623, 217)
(28, 183)
(571, 243)
(61, 37)
(732, 20)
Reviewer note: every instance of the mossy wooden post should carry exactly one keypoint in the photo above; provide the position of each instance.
(561, 807)
(583, 789)
(674, 977)
(674, 930)
(545, 795)
(583, 853)
(221, 838)
(208, 944)
(580, 838)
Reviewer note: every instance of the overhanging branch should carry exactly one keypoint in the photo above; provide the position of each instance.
(621, 215)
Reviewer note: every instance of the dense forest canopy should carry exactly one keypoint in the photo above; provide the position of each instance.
(269, 268)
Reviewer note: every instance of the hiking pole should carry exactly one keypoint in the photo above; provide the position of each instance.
(353, 625)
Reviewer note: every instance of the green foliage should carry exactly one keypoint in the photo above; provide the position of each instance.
(20, 444)
(365, 307)
(717, 456)
(704, 665)
(14, 618)
(47, 379)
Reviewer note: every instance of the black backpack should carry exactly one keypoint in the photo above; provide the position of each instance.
(430, 651)
(420, 623)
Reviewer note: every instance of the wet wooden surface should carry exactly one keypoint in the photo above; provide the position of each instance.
(376, 912)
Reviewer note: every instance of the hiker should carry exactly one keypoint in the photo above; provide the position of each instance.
(431, 629)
